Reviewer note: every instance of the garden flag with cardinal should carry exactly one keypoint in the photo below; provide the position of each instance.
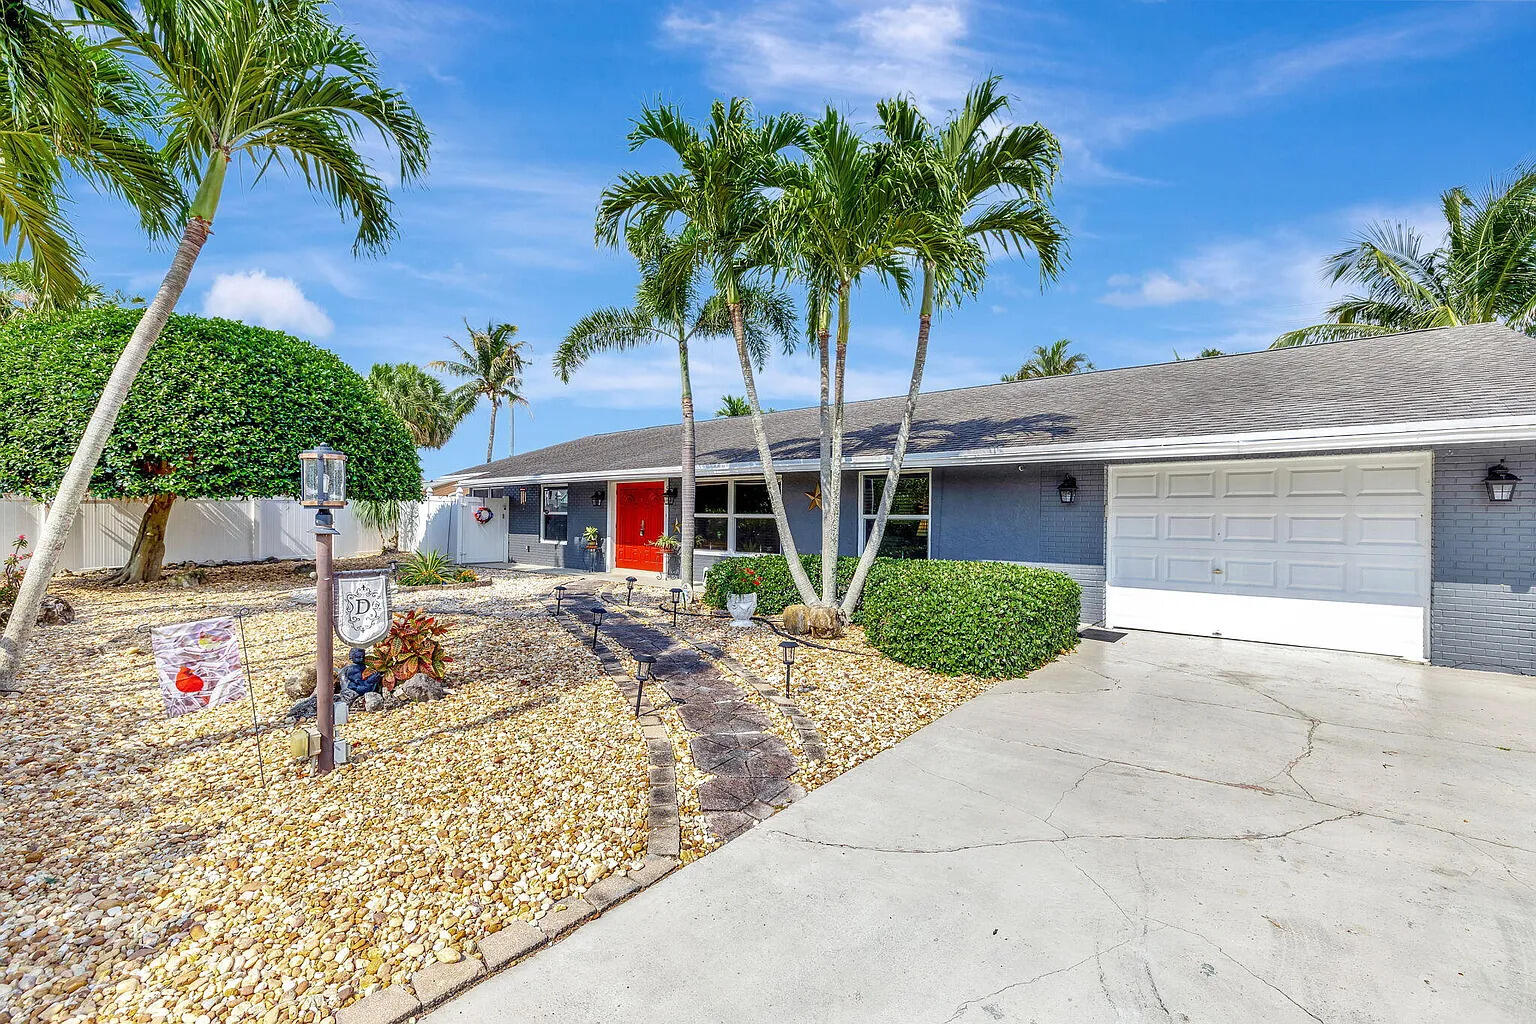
(198, 664)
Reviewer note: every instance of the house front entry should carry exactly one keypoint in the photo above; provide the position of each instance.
(640, 517)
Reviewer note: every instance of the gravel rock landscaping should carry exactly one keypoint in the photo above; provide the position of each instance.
(153, 879)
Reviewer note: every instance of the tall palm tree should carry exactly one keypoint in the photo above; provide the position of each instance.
(734, 405)
(1054, 360)
(1485, 272)
(994, 186)
(423, 403)
(24, 290)
(271, 81)
(493, 362)
(667, 309)
(719, 204)
(70, 102)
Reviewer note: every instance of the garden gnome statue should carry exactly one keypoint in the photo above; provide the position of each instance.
(358, 679)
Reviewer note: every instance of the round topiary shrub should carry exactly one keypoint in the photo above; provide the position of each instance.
(976, 618)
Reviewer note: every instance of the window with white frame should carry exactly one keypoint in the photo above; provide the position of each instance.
(557, 502)
(734, 516)
(907, 526)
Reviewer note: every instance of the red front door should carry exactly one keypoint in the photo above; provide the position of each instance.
(641, 518)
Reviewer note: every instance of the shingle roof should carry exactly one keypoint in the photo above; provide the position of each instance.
(1446, 373)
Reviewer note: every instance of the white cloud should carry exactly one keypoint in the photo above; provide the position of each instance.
(276, 302)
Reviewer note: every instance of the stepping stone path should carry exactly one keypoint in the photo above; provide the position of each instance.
(733, 739)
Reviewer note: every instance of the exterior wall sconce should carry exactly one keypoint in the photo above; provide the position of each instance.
(598, 498)
(1500, 483)
(1067, 489)
(670, 493)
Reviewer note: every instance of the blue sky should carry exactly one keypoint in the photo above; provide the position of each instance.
(1214, 153)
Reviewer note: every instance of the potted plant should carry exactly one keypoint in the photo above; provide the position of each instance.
(741, 586)
(593, 541)
(669, 545)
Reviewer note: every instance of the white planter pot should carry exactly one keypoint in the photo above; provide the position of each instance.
(742, 607)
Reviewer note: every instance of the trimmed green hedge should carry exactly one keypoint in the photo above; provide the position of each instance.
(778, 589)
(979, 618)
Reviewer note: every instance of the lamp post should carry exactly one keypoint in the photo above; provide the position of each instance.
(788, 646)
(643, 663)
(677, 599)
(322, 487)
(597, 622)
(629, 589)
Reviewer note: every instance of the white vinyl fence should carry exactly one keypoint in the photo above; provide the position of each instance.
(230, 531)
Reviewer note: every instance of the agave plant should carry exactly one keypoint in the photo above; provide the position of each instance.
(426, 569)
(411, 647)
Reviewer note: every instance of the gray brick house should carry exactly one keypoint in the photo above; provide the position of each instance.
(1332, 496)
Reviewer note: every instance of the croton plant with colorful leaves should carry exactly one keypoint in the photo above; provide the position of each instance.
(410, 646)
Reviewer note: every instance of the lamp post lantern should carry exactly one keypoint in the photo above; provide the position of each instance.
(788, 647)
(322, 487)
(629, 589)
(597, 622)
(643, 663)
(677, 598)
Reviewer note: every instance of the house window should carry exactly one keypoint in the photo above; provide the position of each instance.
(734, 516)
(557, 502)
(907, 526)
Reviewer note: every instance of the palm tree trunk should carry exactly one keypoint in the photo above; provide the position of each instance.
(765, 453)
(77, 478)
(899, 454)
(687, 537)
(828, 521)
(148, 554)
(832, 497)
(490, 442)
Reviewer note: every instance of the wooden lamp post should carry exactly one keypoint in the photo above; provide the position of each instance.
(322, 487)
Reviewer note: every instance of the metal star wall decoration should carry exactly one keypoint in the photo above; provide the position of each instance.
(815, 497)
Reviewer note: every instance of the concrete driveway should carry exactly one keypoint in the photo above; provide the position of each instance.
(1164, 828)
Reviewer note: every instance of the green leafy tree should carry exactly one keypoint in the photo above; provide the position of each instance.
(1485, 272)
(734, 405)
(990, 181)
(222, 411)
(70, 102)
(494, 362)
(1054, 360)
(718, 203)
(668, 309)
(274, 82)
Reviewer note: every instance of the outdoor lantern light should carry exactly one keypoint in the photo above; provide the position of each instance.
(597, 499)
(322, 478)
(559, 596)
(1500, 482)
(629, 588)
(670, 493)
(1067, 489)
(788, 646)
(597, 621)
(643, 663)
(677, 599)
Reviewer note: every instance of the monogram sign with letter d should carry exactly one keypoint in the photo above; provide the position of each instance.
(363, 606)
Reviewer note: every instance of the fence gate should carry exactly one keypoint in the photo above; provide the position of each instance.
(481, 542)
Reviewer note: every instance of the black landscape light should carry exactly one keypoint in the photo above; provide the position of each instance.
(597, 622)
(677, 599)
(1067, 489)
(1500, 483)
(788, 647)
(643, 663)
(629, 588)
(559, 596)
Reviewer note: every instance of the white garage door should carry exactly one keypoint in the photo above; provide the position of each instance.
(1319, 552)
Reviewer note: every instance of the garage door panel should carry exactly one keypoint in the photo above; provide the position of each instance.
(1330, 551)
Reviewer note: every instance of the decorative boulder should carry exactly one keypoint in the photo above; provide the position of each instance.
(420, 687)
(813, 620)
(373, 700)
(55, 611)
(303, 710)
(191, 579)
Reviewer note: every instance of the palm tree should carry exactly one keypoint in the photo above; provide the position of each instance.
(1485, 272)
(1205, 353)
(720, 205)
(1054, 360)
(995, 187)
(493, 362)
(734, 405)
(667, 309)
(23, 290)
(68, 102)
(273, 81)
(430, 412)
